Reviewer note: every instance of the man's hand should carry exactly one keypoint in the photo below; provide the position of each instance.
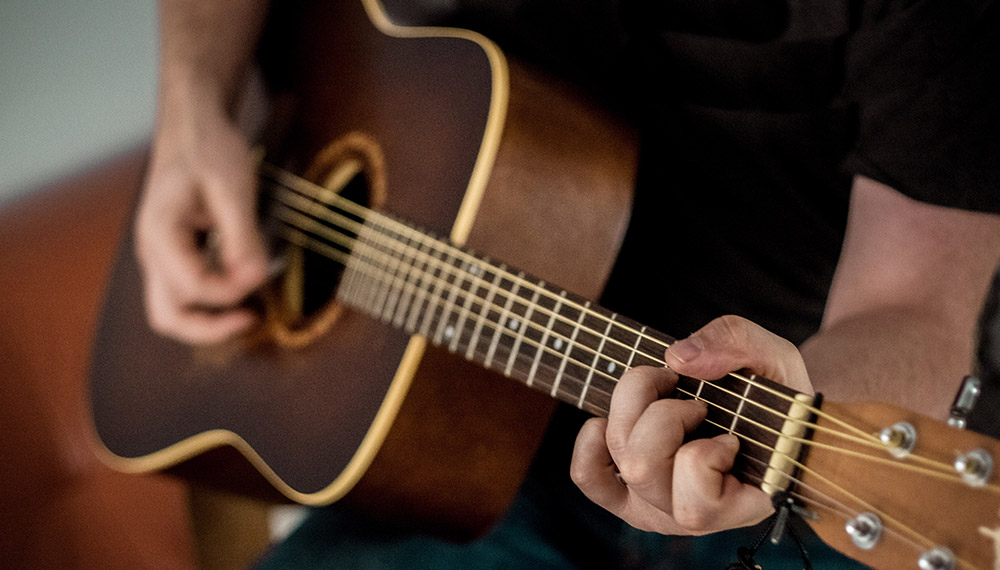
(201, 184)
(635, 463)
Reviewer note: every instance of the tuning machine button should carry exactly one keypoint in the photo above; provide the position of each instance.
(975, 467)
(900, 439)
(940, 558)
(865, 530)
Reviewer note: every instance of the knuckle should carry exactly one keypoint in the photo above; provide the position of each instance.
(694, 517)
(730, 329)
(639, 471)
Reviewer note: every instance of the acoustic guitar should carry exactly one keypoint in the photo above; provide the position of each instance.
(376, 376)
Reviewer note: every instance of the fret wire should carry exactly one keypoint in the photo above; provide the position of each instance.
(593, 366)
(409, 291)
(366, 239)
(501, 322)
(449, 304)
(543, 344)
(526, 320)
(483, 313)
(417, 310)
(381, 292)
(569, 348)
(423, 327)
(739, 408)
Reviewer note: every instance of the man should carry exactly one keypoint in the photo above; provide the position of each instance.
(827, 169)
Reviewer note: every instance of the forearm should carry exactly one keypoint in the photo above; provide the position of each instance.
(205, 51)
(901, 316)
(906, 357)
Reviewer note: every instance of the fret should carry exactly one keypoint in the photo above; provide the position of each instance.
(438, 276)
(449, 304)
(635, 347)
(399, 279)
(483, 314)
(569, 349)
(543, 343)
(739, 408)
(418, 291)
(366, 241)
(525, 325)
(389, 272)
(594, 363)
(414, 275)
(474, 285)
(353, 273)
(502, 321)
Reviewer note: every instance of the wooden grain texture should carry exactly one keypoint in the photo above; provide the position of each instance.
(941, 511)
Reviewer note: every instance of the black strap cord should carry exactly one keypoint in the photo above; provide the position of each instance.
(777, 526)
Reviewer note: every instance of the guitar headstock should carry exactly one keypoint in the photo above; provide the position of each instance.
(886, 486)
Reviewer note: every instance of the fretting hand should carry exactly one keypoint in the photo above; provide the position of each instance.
(635, 463)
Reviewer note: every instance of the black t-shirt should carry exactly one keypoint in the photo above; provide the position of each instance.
(754, 117)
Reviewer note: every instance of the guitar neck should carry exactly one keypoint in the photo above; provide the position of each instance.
(508, 321)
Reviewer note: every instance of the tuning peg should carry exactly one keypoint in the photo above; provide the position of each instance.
(899, 439)
(940, 558)
(975, 467)
(865, 530)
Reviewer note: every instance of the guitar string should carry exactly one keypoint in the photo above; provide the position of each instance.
(867, 441)
(948, 474)
(289, 181)
(871, 440)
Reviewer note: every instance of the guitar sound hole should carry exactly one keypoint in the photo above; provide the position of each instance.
(302, 305)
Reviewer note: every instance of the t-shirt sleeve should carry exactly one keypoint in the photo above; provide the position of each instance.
(924, 78)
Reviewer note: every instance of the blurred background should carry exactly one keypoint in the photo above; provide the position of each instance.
(77, 84)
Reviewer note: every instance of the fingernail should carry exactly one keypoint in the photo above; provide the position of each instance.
(729, 440)
(687, 349)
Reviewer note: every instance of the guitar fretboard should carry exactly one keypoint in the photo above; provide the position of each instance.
(518, 325)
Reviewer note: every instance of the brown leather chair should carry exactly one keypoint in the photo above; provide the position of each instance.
(59, 506)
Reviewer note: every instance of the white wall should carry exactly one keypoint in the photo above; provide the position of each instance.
(77, 84)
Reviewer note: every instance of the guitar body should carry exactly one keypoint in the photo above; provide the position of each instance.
(459, 142)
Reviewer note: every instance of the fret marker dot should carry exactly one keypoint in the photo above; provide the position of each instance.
(558, 344)
(611, 367)
(513, 324)
(449, 332)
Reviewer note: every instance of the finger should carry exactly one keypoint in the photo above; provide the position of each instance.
(593, 470)
(732, 343)
(595, 474)
(707, 497)
(170, 318)
(647, 462)
(635, 391)
(231, 199)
